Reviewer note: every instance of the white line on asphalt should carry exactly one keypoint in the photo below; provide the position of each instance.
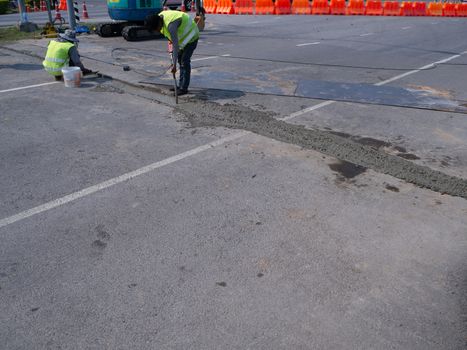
(431, 65)
(125, 177)
(29, 86)
(116, 180)
(309, 109)
(406, 28)
(366, 34)
(209, 57)
(314, 43)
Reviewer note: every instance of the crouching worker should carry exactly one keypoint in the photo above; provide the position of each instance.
(62, 52)
(183, 33)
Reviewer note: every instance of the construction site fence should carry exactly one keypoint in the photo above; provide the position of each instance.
(336, 7)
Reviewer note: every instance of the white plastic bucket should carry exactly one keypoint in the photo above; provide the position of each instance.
(72, 76)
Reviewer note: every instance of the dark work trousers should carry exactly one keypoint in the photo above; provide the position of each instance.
(184, 59)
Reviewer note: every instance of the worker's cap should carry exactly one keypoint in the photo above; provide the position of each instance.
(69, 35)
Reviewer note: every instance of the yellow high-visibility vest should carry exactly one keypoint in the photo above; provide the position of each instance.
(57, 57)
(187, 32)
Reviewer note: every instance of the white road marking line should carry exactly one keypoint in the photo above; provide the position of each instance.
(309, 109)
(397, 77)
(366, 34)
(125, 177)
(116, 180)
(209, 58)
(306, 44)
(29, 86)
(406, 28)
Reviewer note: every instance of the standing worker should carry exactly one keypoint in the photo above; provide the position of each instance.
(183, 33)
(62, 52)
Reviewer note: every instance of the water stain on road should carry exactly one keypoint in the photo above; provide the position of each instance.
(347, 170)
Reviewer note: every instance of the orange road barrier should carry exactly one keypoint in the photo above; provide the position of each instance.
(244, 7)
(283, 7)
(419, 8)
(43, 7)
(406, 8)
(435, 9)
(391, 8)
(62, 6)
(449, 9)
(225, 7)
(36, 8)
(461, 10)
(210, 6)
(337, 7)
(356, 7)
(374, 8)
(28, 8)
(320, 7)
(301, 7)
(265, 7)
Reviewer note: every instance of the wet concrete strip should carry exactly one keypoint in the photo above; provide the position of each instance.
(208, 114)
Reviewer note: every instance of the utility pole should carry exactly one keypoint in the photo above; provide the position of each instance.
(71, 14)
(24, 25)
(49, 10)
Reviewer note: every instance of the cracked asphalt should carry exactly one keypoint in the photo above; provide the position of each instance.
(246, 216)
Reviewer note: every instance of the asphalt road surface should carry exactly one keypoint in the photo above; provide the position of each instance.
(240, 219)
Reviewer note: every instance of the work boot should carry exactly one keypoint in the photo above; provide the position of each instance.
(181, 92)
(172, 89)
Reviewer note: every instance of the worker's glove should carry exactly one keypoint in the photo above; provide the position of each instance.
(87, 71)
(173, 69)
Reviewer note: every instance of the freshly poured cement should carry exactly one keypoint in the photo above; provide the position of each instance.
(207, 114)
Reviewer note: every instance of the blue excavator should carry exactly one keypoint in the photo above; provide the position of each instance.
(129, 15)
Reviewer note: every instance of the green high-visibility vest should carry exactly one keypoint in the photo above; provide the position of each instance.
(57, 56)
(187, 32)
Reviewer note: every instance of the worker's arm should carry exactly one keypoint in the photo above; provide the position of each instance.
(76, 60)
(173, 28)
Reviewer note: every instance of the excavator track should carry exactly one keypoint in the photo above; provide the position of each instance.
(110, 29)
(137, 33)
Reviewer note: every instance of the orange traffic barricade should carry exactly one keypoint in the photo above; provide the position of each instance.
(320, 7)
(301, 7)
(419, 8)
(243, 7)
(435, 9)
(356, 7)
(225, 7)
(264, 7)
(374, 8)
(406, 8)
(391, 8)
(461, 10)
(210, 6)
(449, 9)
(283, 7)
(337, 7)
(62, 5)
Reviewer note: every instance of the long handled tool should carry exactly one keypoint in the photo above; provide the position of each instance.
(170, 49)
(175, 88)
